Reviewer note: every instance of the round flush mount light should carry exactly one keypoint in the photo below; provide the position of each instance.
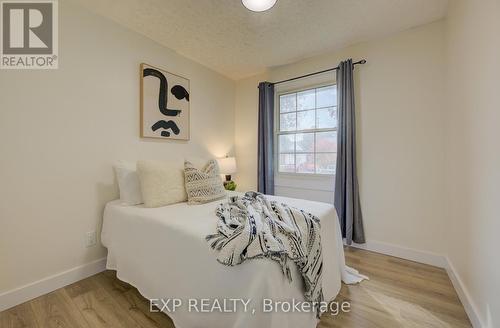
(259, 5)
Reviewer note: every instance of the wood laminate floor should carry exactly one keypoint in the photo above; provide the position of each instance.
(399, 293)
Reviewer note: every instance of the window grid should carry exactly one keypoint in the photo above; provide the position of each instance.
(314, 131)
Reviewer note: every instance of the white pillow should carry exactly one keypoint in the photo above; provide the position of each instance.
(162, 183)
(128, 183)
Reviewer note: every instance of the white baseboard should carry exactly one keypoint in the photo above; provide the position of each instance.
(429, 258)
(463, 294)
(404, 253)
(41, 287)
(28, 292)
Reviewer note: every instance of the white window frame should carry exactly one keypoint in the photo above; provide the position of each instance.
(295, 89)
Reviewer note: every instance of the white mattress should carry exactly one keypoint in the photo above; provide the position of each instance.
(163, 253)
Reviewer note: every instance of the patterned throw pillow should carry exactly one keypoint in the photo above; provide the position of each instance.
(203, 186)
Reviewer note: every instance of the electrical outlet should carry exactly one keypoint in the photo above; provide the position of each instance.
(91, 239)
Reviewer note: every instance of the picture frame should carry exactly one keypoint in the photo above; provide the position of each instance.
(164, 104)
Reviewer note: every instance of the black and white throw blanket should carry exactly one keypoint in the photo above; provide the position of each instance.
(252, 226)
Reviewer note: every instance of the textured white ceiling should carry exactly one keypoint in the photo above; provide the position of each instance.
(228, 38)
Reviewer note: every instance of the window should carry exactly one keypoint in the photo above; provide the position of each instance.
(307, 131)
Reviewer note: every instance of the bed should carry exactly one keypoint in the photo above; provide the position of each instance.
(163, 253)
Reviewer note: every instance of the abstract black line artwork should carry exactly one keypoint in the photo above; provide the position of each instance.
(180, 93)
(166, 126)
(162, 93)
(164, 111)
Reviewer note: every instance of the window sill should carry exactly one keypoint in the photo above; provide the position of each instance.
(303, 181)
(304, 188)
(304, 175)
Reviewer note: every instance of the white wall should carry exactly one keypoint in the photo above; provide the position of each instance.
(427, 129)
(400, 134)
(62, 129)
(473, 152)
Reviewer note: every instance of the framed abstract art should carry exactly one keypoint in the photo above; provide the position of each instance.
(164, 104)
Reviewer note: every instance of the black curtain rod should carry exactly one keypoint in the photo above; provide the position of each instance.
(361, 62)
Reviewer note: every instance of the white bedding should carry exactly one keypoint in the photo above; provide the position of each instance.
(163, 253)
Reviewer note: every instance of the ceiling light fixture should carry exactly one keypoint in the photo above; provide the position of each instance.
(259, 5)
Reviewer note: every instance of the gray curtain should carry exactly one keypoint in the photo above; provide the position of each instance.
(265, 183)
(347, 201)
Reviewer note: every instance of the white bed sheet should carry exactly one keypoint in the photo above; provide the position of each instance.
(163, 253)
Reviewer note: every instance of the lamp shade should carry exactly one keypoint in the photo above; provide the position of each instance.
(227, 165)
